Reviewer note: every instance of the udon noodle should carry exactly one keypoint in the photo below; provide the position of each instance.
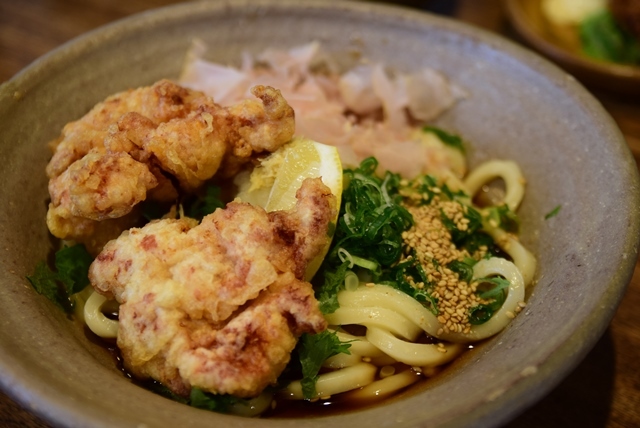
(394, 321)
(394, 339)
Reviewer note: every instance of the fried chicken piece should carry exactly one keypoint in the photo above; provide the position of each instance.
(101, 186)
(96, 188)
(160, 103)
(258, 126)
(167, 134)
(219, 305)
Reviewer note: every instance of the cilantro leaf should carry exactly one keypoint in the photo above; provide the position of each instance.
(313, 349)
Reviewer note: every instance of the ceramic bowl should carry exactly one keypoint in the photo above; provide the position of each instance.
(519, 107)
(561, 44)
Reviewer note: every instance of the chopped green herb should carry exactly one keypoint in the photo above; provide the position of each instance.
(371, 221)
(483, 313)
(153, 210)
(369, 230)
(327, 294)
(480, 314)
(162, 390)
(554, 212)
(475, 241)
(216, 403)
(499, 285)
(464, 269)
(504, 218)
(45, 282)
(459, 236)
(424, 186)
(71, 276)
(447, 138)
(206, 204)
(451, 195)
(313, 349)
(397, 277)
(73, 264)
(427, 188)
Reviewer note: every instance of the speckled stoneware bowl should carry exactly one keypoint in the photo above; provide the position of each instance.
(520, 107)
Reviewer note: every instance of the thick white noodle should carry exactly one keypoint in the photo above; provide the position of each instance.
(79, 300)
(454, 183)
(508, 170)
(522, 258)
(375, 317)
(387, 297)
(413, 354)
(383, 296)
(252, 407)
(487, 268)
(382, 361)
(385, 387)
(96, 320)
(335, 382)
(359, 345)
(342, 360)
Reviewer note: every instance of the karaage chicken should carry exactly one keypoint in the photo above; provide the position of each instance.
(153, 143)
(217, 305)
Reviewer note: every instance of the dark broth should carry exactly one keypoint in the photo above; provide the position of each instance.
(284, 408)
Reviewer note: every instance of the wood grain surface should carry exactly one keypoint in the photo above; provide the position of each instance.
(603, 391)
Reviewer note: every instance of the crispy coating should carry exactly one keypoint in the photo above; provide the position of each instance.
(95, 196)
(101, 186)
(154, 143)
(219, 305)
(257, 126)
(159, 103)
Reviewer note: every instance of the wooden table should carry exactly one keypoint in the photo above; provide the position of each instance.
(603, 391)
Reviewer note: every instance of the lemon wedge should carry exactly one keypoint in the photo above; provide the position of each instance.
(273, 184)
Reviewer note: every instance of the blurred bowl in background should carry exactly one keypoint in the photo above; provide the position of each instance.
(561, 45)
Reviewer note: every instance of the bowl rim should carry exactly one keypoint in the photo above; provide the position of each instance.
(525, 391)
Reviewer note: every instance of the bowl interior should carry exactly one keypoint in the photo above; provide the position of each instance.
(520, 107)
